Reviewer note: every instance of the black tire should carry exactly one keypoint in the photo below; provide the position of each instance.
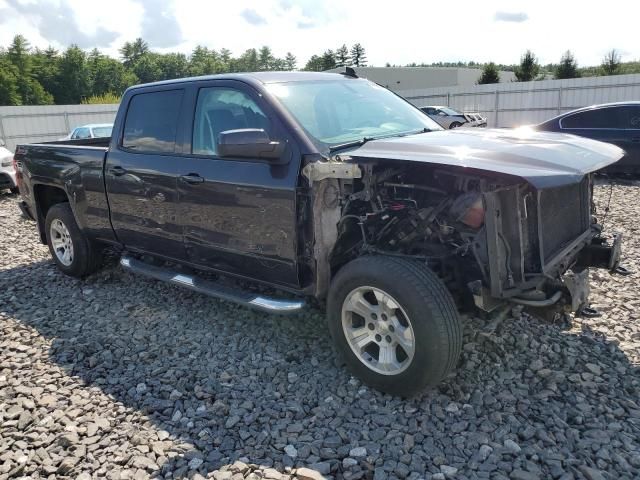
(430, 307)
(453, 125)
(87, 257)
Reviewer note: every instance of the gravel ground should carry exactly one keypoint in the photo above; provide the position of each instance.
(121, 377)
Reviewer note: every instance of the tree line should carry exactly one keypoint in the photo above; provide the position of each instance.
(530, 69)
(32, 76)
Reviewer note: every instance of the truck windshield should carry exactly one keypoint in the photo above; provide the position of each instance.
(341, 111)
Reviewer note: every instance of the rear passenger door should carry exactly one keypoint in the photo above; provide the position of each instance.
(141, 173)
(238, 215)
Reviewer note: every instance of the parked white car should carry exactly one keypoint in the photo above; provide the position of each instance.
(93, 130)
(7, 171)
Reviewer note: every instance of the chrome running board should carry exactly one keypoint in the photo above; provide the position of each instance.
(213, 289)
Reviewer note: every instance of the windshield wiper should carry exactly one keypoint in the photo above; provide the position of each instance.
(353, 143)
(361, 141)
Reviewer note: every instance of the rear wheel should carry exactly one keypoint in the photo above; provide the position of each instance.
(72, 251)
(394, 323)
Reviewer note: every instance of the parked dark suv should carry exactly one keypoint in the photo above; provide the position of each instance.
(617, 123)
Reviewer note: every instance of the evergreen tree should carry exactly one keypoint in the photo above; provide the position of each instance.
(131, 52)
(29, 89)
(9, 94)
(490, 74)
(611, 63)
(265, 59)
(568, 67)
(290, 61)
(358, 56)
(73, 81)
(343, 59)
(314, 64)
(328, 60)
(528, 69)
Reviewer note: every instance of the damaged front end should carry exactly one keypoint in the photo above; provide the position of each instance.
(491, 237)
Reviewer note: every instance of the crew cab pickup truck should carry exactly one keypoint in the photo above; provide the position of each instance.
(329, 187)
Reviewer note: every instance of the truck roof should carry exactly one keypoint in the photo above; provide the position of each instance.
(254, 77)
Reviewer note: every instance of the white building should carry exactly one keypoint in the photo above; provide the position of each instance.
(400, 79)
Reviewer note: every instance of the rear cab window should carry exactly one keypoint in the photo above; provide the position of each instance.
(151, 124)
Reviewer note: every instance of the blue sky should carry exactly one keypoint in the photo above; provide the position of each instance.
(398, 32)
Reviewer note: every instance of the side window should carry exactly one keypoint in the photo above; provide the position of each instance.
(220, 109)
(152, 121)
(81, 133)
(598, 118)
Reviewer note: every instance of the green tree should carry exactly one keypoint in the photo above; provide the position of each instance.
(343, 58)
(568, 67)
(173, 65)
(131, 52)
(328, 60)
(290, 61)
(29, 89)
(358, 56)
(529, 67)
(490, 74)
(73, 80)
(146, 68)
(204, 62)
(314, 64)
(9, 94)
(107, 75)
(46, 65)
(611, 63)
(265, 59)
(247, 62)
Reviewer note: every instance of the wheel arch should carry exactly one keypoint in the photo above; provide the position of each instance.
(46, 196)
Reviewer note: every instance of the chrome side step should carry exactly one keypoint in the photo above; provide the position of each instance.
(213, 289)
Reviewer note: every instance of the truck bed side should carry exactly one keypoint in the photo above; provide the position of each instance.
(67, 171)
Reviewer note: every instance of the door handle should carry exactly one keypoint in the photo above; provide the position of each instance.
(117, 171)
(192, 178)
(636, 140)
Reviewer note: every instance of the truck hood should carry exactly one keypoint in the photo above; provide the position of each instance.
(541, 158)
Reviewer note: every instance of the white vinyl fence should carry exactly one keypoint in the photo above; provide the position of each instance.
(521, 103)
(49, 122)
(504, 104)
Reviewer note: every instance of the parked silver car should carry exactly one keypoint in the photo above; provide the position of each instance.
(446, 117)
(93, 130)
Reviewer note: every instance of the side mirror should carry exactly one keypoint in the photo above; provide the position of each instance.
(249, 143)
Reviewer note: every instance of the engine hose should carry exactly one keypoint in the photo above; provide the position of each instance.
(538, 303)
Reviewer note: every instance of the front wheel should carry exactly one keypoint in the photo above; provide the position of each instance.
(395, 323)
(72, 251)
(454, 125)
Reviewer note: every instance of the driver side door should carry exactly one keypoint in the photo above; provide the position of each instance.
(238, 215)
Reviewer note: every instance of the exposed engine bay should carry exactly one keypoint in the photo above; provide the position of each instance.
(489, 236)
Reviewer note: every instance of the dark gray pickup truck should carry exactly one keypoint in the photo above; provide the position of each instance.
(328, 186)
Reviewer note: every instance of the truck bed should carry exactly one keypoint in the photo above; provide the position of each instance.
(73, 168)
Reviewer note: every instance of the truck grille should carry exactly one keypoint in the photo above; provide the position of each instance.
(564, 216)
